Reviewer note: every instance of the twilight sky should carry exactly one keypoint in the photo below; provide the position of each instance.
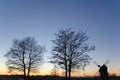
(42, 18)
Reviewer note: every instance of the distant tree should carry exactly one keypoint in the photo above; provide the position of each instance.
(25, 55)
(70, 50)
(54, 71)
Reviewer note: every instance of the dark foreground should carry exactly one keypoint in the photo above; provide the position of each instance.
(18, 77)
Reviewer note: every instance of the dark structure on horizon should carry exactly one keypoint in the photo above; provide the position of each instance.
(103, 71)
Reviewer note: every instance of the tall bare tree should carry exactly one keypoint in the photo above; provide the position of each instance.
(59, 54)
(70, 50)
(25, 55)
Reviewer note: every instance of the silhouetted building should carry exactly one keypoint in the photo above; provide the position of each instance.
(103, 72)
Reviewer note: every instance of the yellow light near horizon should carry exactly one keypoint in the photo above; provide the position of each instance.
(91, 71)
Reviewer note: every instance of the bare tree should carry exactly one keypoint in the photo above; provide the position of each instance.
(25, 55)
(70, 50)
(59, 54)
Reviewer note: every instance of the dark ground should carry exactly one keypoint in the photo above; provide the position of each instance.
(18, 77)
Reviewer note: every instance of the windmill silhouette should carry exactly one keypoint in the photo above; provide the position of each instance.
(97, 73)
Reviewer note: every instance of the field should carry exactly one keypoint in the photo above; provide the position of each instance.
(18, 77)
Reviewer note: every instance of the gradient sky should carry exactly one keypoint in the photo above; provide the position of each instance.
(42, 18)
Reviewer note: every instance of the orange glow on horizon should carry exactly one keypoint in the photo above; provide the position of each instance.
(46, 71)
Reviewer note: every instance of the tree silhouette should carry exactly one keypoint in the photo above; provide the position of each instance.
(70, 50)
(54, 71)
(25, 55)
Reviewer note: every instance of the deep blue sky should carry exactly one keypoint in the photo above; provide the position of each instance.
(42, 18)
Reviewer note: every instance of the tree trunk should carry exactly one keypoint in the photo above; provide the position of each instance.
(69, 70)
(66, 74)
(69, 74)
(24, 65)
(28, 74)
(29, 66)
(24, 73)
(70, 64)
(66, 69)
